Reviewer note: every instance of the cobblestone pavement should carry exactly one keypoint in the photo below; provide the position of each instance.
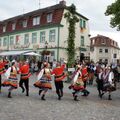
(21, 107)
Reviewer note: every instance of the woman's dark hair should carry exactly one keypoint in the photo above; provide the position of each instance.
(13, 63)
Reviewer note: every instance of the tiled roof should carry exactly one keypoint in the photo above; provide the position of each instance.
(101, 40)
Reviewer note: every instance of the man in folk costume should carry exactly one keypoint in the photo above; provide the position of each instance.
(2, 70)
(44, 80)
(12, 80)
(59, 76)
(25, 74)
(77, 82)
(85, 78)
(108, 82)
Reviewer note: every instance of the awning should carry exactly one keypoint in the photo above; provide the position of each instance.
(12, 53)
(32, 54)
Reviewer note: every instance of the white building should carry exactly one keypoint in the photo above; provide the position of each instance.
(104, 49)
(44, 29)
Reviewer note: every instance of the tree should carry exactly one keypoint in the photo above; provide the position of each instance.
(72, 20)
(114, 11)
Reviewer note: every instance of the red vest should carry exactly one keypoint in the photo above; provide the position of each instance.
(59, 73)
(25, 72)
(85, 74)
(2, 68)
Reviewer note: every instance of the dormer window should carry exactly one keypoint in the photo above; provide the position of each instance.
(36, 20)
(4, 28)
(13, 26)
(49, 17)
(24, 23)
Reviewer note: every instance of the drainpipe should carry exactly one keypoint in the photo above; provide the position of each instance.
(58, 43)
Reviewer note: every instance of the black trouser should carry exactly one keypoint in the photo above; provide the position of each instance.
(59, 88)
(0, 82)
(26, 84)
(85, 91)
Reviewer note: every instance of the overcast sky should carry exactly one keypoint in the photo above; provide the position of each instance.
(92, 9)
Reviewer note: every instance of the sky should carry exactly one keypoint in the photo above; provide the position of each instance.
(92, 9)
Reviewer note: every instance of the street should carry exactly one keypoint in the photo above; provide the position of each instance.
(21, 107)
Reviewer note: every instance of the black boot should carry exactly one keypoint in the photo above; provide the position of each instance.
(109, 97)
(59, 97)
(43, 97)
(75, 98)
(27, 93)
(9, 95)
(40, 92)
(23, 90)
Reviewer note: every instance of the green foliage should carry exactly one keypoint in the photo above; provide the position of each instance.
(113, 10)
(72, 19)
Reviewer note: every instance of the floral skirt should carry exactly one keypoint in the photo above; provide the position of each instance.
(13, 83)
(43, 85)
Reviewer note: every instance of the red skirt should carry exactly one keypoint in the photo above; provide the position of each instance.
(13, 83)
(43, 85)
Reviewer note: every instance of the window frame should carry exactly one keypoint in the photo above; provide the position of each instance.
(36, 20)
(49, 17)
(42, 36)
(52, 36)
(26, 41)
(34, 37)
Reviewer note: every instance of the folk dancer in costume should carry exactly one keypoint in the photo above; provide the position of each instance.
(108, 82)
(12, 80)
(99, 81)
(77, 82)
(2, 70)
(44, 80)
(85, 78)
(24, 79)
(59, 74)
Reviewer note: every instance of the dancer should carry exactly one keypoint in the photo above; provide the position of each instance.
(2, 70)
(12, 80)
(77, 82)
(25, 74)
(59, 77)
(44, 80)
(108, 82)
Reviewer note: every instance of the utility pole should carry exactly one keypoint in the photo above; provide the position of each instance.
(39, 4)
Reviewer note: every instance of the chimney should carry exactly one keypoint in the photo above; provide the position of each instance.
(62, 2)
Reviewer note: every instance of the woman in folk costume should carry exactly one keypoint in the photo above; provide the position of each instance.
(108, 82)
(24, 79)
(59, 74)
(44, 80)
(2, 70)
(12, 80)
(77, 82)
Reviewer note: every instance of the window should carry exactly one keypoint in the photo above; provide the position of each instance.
(42, 37)
(4, 28)
(52, 35)
(49, 18)
(17, 39)
(100, 50)
(34, 37)
(82, 41)
(106, 60)
(81, 23)
(24, 23)
(11, 40)
(13, 26)
(5, 42)
(84, 24)
(0, 42)
(26, 39)
(106, 50)
(36, 21)
(115, 55)
(93, 42)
